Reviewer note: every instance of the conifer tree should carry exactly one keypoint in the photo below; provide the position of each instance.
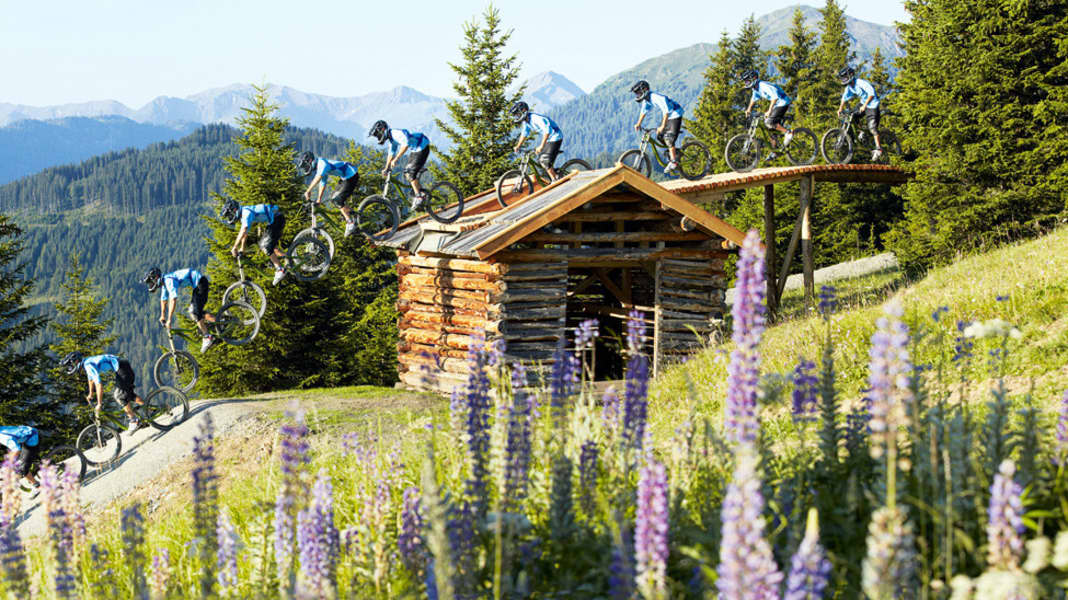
(21, 389)
(833, 52)
(481, 131)
(748, 55)
(795, 63)
(715, 112)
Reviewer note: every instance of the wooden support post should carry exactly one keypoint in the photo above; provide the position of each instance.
(656, 320)
(769, 245)
(806, 240)
(791, 248)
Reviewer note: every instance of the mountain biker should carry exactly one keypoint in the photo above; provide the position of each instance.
(670, 124)
(124, 381)
(401, 141)
(171, 283)
(551, 136)
(777, 108)
(323, 168)
(270, 214)
(869, 103)
(24, 441)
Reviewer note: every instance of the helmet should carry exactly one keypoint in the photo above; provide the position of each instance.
(640, 90)
(519, 111)
(379, 131)
(153, 279)
(71, 362)
(306, 164)
(750, 77)
(846, 75)
(229, 211)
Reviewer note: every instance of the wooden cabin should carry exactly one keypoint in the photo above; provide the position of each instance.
(595, 244)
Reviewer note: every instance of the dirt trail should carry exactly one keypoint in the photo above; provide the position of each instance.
(846, 270)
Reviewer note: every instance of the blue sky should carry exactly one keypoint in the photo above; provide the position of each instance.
(133, 51)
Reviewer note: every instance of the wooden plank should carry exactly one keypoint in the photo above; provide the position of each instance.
(549, 312)
(444, 328)
(712, 282)
(703, 296)
(712, 264)
(553, 264)
(685, 207)
(445, 282)
(608, 255)
(608, 237)
(403, 269)
(535, 275)
(678, 304)
(611, 286)
(448, 300)
(405, 346)
(454, 264)
(479, 295)
(461, 320)
(539, 284)
(433, 338)
(675, 314)
(606, 216)
(791, 248)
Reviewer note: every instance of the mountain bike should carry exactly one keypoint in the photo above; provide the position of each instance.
(100, 441)
(176, 368)
(379, 215)
(745, 150)
(58, 456)
(516, 183)
(839, 143)
(309, 254)
(246, 290)
(236, 323)
(694, 158)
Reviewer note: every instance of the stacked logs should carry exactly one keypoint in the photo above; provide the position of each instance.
(446, 304)
(690, 299)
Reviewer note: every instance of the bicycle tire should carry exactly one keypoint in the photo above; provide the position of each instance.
(836, 147)
(446, 203)
(99, 448)
(516, 192)
(165, 407)
(802, 149)
(236, 323)
(176, 369)
(695, 161)
(573, 166)
(377, 218)
(742, 153)
(637, 160)
(308, 257)
(59, 455)
(250, 292)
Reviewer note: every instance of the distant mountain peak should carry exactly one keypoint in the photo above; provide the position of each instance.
(550, 89)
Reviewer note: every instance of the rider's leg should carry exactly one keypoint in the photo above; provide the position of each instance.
(269, 242)
(415, 165)
(548, 155)
(670, 136)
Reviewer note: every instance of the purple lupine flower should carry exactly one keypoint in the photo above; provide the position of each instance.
(621, 570)
(963, 345)
(10, 494)
(636, 384)
(743, 373)
(517, 441)
(13, 562)
(410, 540)
(585, 333)
(890, 368)
(349, 443)
(747, 568)
(161, 573)
(589, 456)
(889, 566)
(205, 500)
(59, 527)
(318, 539)
(651, 531)
(564, 381)
(611, 411)
(828, 300)
(133, 540)
(806, 391)
(1005, 526)
(810, 571)
(1060, 451)
(71, 502)
(635, 331)
(476, 424)
(293, 457)
(226, 557)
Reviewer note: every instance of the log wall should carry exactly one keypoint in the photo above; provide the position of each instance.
(690, 301)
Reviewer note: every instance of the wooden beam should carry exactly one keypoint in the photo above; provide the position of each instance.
(683, 206)
(620, 216)
(455, 264)
(769, 250)
(631, 236)
(583, 285)
(807, 265)
(791, 248)
(611, 286)
(583, 256)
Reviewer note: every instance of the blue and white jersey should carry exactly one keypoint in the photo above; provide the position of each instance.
(179, 279)
(101, 363)
(863, 90)
(541, 124)
(399, 137)
(769, 91)
(258, 213)
(325, 168)
(667, 106)
(17, 436)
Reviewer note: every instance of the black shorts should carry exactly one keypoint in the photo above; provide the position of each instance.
(416, 162)
(549, 153)
(671, 132)
(270, 238)
(345, 190)
(873, 115)
(199, 299)
(776, 116)
(124, 382)
(27, 458)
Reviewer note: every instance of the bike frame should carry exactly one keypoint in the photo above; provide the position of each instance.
(528, 163)
(648, 139)
(395, 180)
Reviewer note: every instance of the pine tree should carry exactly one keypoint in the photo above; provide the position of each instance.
(748, 55)
(796, 66)
(482, 132)
(833, 52)
(715, 113)
(21, 391)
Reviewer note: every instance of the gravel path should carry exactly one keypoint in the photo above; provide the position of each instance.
(846, 270)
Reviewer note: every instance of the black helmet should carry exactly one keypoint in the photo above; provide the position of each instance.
(379, 131)
(519, 111)
(750, 77)
(640, 90)
(153, 279)
(846, 75)
(306, 164)
(71, 362)
(230, 211)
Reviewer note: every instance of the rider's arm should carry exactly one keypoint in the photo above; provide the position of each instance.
(752, 101)
(311, 186)
(163, 311)
(99, 394)
(541, 144)
(663, 123)
(242, 235)
(519, 142)
(170, 309)
(396, 157)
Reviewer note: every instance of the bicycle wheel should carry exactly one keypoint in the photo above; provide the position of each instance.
(236, 323)
(165, 407)
(802, 149)
(573, 166)
(176, 369)
(513, 185)
(99, 444)
(248, 292)
(836, 147)
(637, 160)
(742, 153)
(377, 218)
(308, 257)
(446, 203)
(62, 457)
(695, 161)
